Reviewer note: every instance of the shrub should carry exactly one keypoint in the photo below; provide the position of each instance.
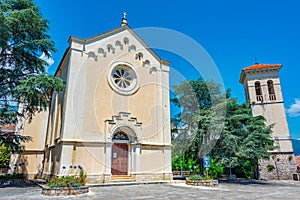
(270, 167)
(4, 156)
(195, 177)
(215, 170)
(13, 176)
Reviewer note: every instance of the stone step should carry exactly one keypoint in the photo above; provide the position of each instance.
(122, 178)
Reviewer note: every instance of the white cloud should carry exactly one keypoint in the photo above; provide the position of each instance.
(294, 110)
(49, 60)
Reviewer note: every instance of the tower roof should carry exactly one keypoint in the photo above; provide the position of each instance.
(262, 66)
(259, 68)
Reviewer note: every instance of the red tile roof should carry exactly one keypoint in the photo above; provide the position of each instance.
(261, 66)
(8, 127)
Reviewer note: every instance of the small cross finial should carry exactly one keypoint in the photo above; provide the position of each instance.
(124, 19)
(255, 61)
(124, 15)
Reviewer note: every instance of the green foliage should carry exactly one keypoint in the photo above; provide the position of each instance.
(4, 156)
(244, 138)
(35, 91)
(194, 177)
(270, 167)
(183, 163)
(215, 170)
(13, 176)
(68, 181)
(13, 142)
(196, 130)
(245, 170)
(82, 177)
(23, 77)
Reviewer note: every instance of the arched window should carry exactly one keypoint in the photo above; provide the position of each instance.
(92, 56)
(110, 49)
(101, 52)
(132, 48)
(118, 44)
(126, 41)
(146, 63)
(271, 90)
(120, 135)
(258, 92)
(139, 56)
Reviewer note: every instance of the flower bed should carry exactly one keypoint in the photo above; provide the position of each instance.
(68, 184)
(196, 179)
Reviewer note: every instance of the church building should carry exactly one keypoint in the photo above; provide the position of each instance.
(263, 92)
(112, 120)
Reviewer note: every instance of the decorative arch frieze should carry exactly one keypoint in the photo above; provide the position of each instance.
(123, 123)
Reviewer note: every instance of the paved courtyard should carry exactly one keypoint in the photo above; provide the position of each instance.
(247, 190)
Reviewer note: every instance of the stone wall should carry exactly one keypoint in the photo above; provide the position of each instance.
(209, 183)
(153, 177)
(283, 165)
(65, 191)
(12, 181)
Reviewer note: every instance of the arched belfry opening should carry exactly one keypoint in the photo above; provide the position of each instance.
(259, 96)
(271, 90)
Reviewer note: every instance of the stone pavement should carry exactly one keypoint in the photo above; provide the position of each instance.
(272, 190)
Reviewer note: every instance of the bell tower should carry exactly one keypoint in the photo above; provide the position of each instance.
(263, 92)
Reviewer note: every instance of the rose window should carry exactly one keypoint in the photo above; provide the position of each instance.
(122, 78)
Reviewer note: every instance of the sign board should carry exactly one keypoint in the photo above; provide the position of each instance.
(206, 161)
(114, 155)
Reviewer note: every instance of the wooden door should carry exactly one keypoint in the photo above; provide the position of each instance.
(119, 163)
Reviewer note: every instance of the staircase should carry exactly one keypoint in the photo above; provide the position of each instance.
(122, 178)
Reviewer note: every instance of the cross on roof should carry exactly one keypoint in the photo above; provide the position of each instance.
(124, 15)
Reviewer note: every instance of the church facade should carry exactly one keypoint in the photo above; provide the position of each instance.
(112, 120)
(263, 92)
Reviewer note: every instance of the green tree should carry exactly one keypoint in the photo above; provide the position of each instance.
(23, 77)
(231, 139)
(197, 127)
(244, 138)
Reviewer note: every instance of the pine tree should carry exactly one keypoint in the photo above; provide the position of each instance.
(23, 77)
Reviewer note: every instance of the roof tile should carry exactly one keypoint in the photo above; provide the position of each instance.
(261, 66)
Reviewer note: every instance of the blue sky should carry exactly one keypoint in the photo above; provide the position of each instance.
(233, 32)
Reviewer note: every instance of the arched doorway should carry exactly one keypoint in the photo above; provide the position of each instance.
(119, 157)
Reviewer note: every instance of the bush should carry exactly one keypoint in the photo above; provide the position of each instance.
(195, 177)
(13, 176)
(215, 170)
(270, 167)
(244, 171)
(68, 181)
(4, 156)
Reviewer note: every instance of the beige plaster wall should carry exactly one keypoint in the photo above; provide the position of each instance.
(33, 164)
(91, 157)
(37, 130)
(151, 159)
(91, 100)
